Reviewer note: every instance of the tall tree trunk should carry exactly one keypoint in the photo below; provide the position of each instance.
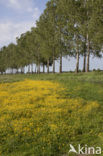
(35, 69)
(43, 68)
(38, 67)
(48, 66)
(32, 68)
(22, 70)
(77, 64)
(60, 68)
(53, 63)
(29, 68)
(88, 54)
(17, 71)
(84, 57)
(12, 71)
(84, 62)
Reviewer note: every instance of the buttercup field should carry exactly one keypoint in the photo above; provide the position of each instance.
(44, 114)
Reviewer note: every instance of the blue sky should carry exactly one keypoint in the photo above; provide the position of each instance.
(18, 16)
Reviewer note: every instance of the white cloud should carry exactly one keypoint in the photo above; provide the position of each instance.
(9, 31)
(14, 4)
(19, 5)
(36, 13)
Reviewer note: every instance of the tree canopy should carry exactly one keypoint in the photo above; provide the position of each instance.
(65, 28)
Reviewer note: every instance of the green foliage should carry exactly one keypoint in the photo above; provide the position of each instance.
(71, 28)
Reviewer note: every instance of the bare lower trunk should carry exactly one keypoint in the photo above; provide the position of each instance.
(22, 70)
(43, 68)
(38, 68)
(12, 71)
(53, 64)
(17, 71)
(88, 60)
(60, 69)
(77, 64)
(35, 70)
(29, 68)
(88, 54)
(84, 63)
(32, 68)
(84, 57)
(38, 65)
(48, 66)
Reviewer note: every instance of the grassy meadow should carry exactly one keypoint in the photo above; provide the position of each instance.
(40, 115)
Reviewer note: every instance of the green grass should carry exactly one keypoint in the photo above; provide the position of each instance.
(91, 77)
(89, 87)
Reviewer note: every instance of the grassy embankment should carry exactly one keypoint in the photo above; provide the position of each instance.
(42, 115)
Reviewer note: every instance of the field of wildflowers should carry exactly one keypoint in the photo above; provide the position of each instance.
(37, 118)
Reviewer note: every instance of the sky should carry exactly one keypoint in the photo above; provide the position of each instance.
(17, 17)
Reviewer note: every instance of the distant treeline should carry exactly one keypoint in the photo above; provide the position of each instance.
(71, 28)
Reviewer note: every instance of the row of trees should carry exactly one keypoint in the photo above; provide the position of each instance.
(66, 28)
